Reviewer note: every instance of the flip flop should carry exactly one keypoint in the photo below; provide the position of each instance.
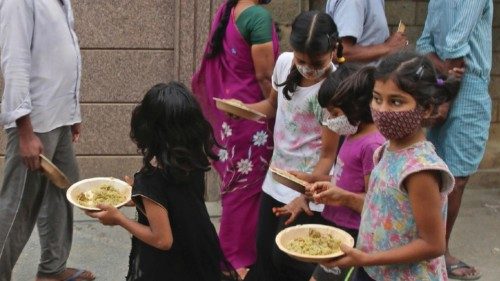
(77, 275)
(450, 268)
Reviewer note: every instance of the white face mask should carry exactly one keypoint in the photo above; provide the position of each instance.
(341, 125)
(311, 73)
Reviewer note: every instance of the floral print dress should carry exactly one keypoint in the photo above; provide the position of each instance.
(387, 220)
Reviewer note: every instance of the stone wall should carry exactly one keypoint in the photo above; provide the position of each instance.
(127, 46)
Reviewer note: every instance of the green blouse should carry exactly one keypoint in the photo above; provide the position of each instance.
(255, 25)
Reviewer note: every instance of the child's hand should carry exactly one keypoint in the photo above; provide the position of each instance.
(328, 194)
(353, 257)
(294, 209)
(319, 187)
(109, 215)
(303, 176)
(129, 180)
(457, 72)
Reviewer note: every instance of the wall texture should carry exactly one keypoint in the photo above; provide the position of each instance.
(128, 46)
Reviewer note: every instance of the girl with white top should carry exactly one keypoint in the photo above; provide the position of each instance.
(301, 143)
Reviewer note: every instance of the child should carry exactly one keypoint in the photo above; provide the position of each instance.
(349, 109)
(173, 238)
(402, 231)
(300, 141)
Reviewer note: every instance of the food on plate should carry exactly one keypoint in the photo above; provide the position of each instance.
(103, 194)
(316, 244)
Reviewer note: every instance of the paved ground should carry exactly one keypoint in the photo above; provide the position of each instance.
(105, 249)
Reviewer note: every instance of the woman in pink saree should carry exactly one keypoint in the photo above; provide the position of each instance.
(238, 64)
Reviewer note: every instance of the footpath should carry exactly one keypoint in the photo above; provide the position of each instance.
(105, 250)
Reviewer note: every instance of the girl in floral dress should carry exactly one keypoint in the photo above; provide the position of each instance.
(402, 231)
(300, 141)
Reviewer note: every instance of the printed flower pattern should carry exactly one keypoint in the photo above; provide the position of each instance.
(223, 155)
(387, 219)
(260, 138)
(226, 130)
(244, 166)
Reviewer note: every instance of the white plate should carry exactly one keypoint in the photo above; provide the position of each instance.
(238, 109)
(285, 236)
(92, 183)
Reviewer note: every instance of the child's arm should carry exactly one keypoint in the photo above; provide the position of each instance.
(329, 141)
(425, 199)
(158, 234)
(267, 106)
(310, 178)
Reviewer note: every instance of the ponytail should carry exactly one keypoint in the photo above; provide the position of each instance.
(220, 31)
(340, 52)
(291, 82)
(449, 88)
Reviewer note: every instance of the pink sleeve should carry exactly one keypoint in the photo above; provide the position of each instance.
(368, 157)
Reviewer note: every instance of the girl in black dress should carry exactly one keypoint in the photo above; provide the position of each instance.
(173, 238)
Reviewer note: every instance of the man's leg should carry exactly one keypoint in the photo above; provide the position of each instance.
(21, 196)
(461, 142)
(454, 202)
(55, 221)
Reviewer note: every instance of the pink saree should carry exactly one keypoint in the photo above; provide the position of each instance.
(247, 144)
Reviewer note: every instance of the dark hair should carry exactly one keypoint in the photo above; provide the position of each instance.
(354, 96)
(220, 31)
(313, 33)
(168, 125)
(416, 75)
(332, 82)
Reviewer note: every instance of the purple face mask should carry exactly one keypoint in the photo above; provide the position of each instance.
(397, 124)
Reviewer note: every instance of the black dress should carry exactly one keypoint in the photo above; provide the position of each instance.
(195, 252)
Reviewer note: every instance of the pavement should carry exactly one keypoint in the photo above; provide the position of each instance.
(105, 250)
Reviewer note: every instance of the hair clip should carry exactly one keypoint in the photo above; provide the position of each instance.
(420, 72)
(440, 82)
(341, 60)
(329, 40)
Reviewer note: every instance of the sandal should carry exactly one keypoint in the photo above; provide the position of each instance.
(450, 268)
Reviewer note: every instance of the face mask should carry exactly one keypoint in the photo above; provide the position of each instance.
(341, 125)
(311, 73)
(264, 2)
(397, 124)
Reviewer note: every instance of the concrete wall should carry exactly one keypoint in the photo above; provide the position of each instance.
(128, 46)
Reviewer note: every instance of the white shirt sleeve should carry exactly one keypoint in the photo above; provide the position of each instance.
(349, 16)
(281, 69)
(16, 31)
